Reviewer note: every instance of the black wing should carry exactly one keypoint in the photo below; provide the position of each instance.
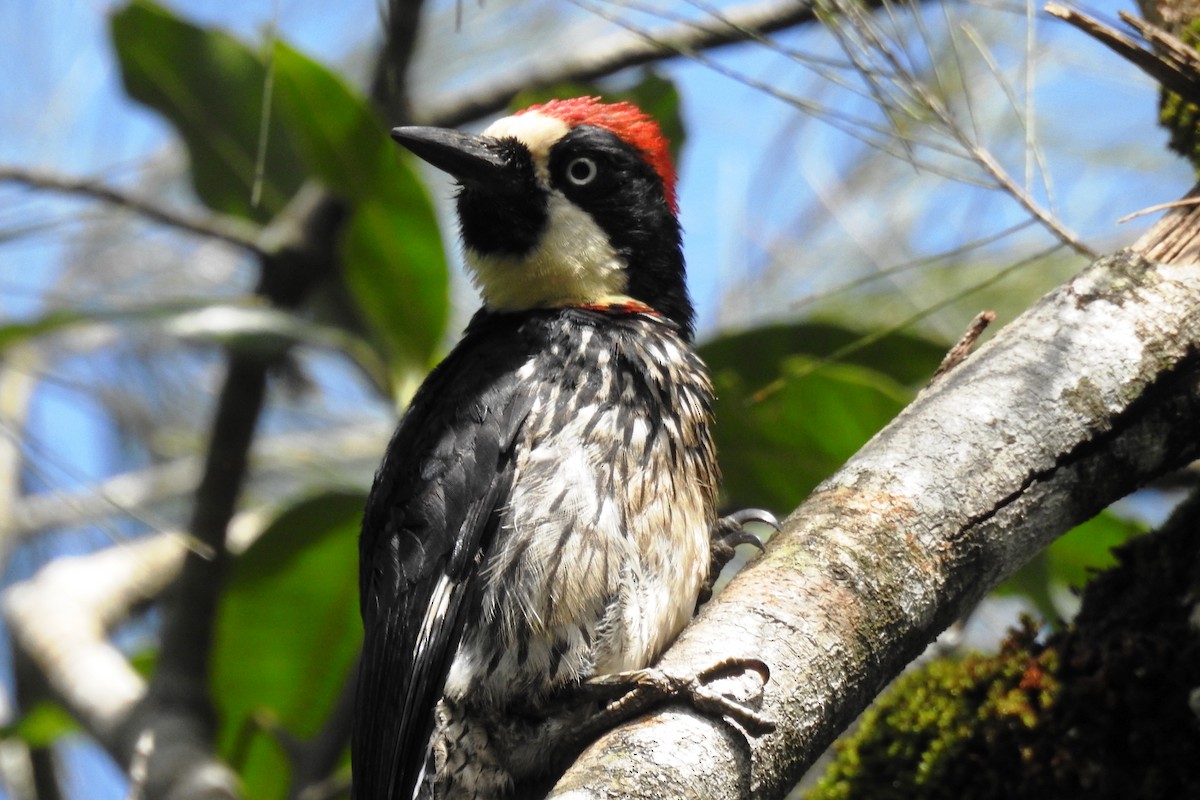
(432, 511)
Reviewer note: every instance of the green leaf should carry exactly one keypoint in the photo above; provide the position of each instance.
(56, 320)
(210, 86)
(394, 262)
(787, 417)
(319, 127)
(287, 634)
(906, 358)
(61, 319)
(340, 139)
(774, 450)
(268, 332)
(395, 269)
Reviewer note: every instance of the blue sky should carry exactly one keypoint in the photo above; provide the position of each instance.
(754, 172)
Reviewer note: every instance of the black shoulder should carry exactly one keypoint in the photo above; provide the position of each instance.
(432, 509)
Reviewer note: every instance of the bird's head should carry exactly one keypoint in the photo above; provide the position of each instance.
(567, 203)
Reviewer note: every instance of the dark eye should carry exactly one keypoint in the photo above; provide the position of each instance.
(582, 171)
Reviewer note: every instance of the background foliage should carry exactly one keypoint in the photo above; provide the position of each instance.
(841, 233)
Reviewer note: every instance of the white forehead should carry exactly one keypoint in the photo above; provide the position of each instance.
(536, 131)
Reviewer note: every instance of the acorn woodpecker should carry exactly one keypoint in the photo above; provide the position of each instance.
(543, 513)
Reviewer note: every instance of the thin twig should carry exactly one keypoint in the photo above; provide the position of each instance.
(963, 346)
(1187, 201)
(916, 263)
(869, 339)
(138, 490)
(228, 229)
(861, 32)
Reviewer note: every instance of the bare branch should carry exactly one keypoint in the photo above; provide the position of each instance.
(618, 52)
(1092, 392)
(1173, 64)
(233, 230)
(60, 617)
(181, 674)
(283, 454)
(389, 87)
(865, 43)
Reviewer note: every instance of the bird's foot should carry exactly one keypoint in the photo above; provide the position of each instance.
(630, 693)
(729, 533)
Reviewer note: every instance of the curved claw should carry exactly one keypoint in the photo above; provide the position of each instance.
(735, 537)
(728, 534)
(740, 518)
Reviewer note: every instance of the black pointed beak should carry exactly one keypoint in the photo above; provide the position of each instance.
(470, 159)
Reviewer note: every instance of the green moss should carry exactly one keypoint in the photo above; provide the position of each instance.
(909, 744)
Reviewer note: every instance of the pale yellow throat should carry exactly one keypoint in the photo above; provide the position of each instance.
(573, 264)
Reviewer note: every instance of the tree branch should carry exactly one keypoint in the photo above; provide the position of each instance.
(389, 84)
(1089, 394)
(1169, 61)
(228, 229)
(362, 444)
(177, 708)
(60, 618)
(178, 698)
(621, 51)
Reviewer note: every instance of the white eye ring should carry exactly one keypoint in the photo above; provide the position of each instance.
(582, 171)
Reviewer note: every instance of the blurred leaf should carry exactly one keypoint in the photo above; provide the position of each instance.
(1086, 548)
(776, 445)
(248, 327)
(41, 725)
(267, 332)
(16, 332)
(394, 262)
(210, 87)
(287, 634)
(1070, 561)
(775, 450)
(654, 94)
(406, 301)
(144, 661)
(339, 138)
(906, 358)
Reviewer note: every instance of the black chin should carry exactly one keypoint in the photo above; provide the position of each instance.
(503, 223)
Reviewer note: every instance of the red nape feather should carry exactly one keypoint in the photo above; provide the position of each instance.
(625, 120)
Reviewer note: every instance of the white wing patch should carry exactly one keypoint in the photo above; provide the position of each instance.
(435, 615)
